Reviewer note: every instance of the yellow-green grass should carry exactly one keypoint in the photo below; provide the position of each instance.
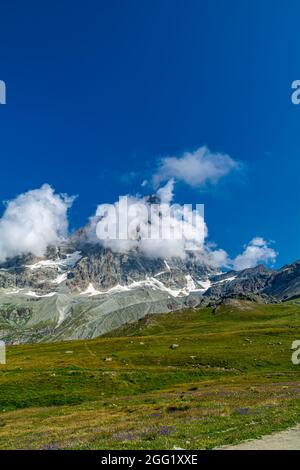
(230, 378)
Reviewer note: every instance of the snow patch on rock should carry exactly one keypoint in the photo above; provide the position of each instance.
(30, 293)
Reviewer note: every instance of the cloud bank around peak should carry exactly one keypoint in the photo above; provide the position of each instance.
(198, 169)
(144, 225)
(195, 235)
(32, 221)
(39, 218)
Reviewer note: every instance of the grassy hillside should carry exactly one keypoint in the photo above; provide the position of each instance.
(230, 378)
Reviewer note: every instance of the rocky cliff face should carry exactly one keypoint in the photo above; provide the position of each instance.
(249, 281)
(81, 290)
(284, 284)
(105, 269)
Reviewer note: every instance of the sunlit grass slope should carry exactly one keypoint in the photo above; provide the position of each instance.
(228, 377)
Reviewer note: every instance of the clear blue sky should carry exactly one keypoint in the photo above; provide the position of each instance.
(99, 89)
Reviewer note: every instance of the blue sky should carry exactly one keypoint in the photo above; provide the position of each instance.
(98, 91)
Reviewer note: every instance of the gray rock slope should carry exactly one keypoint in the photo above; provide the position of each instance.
(83, 291)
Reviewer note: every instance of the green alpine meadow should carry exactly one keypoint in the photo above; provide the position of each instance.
(198, 378)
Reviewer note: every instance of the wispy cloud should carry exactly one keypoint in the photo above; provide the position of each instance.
(197, 169)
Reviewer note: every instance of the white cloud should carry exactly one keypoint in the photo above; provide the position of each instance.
(256, 252)
(145, 223)
(196, 169)
(138, 208)
(33, 221)
(219, 258)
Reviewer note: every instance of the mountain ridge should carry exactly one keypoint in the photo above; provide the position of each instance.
(82, 290)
